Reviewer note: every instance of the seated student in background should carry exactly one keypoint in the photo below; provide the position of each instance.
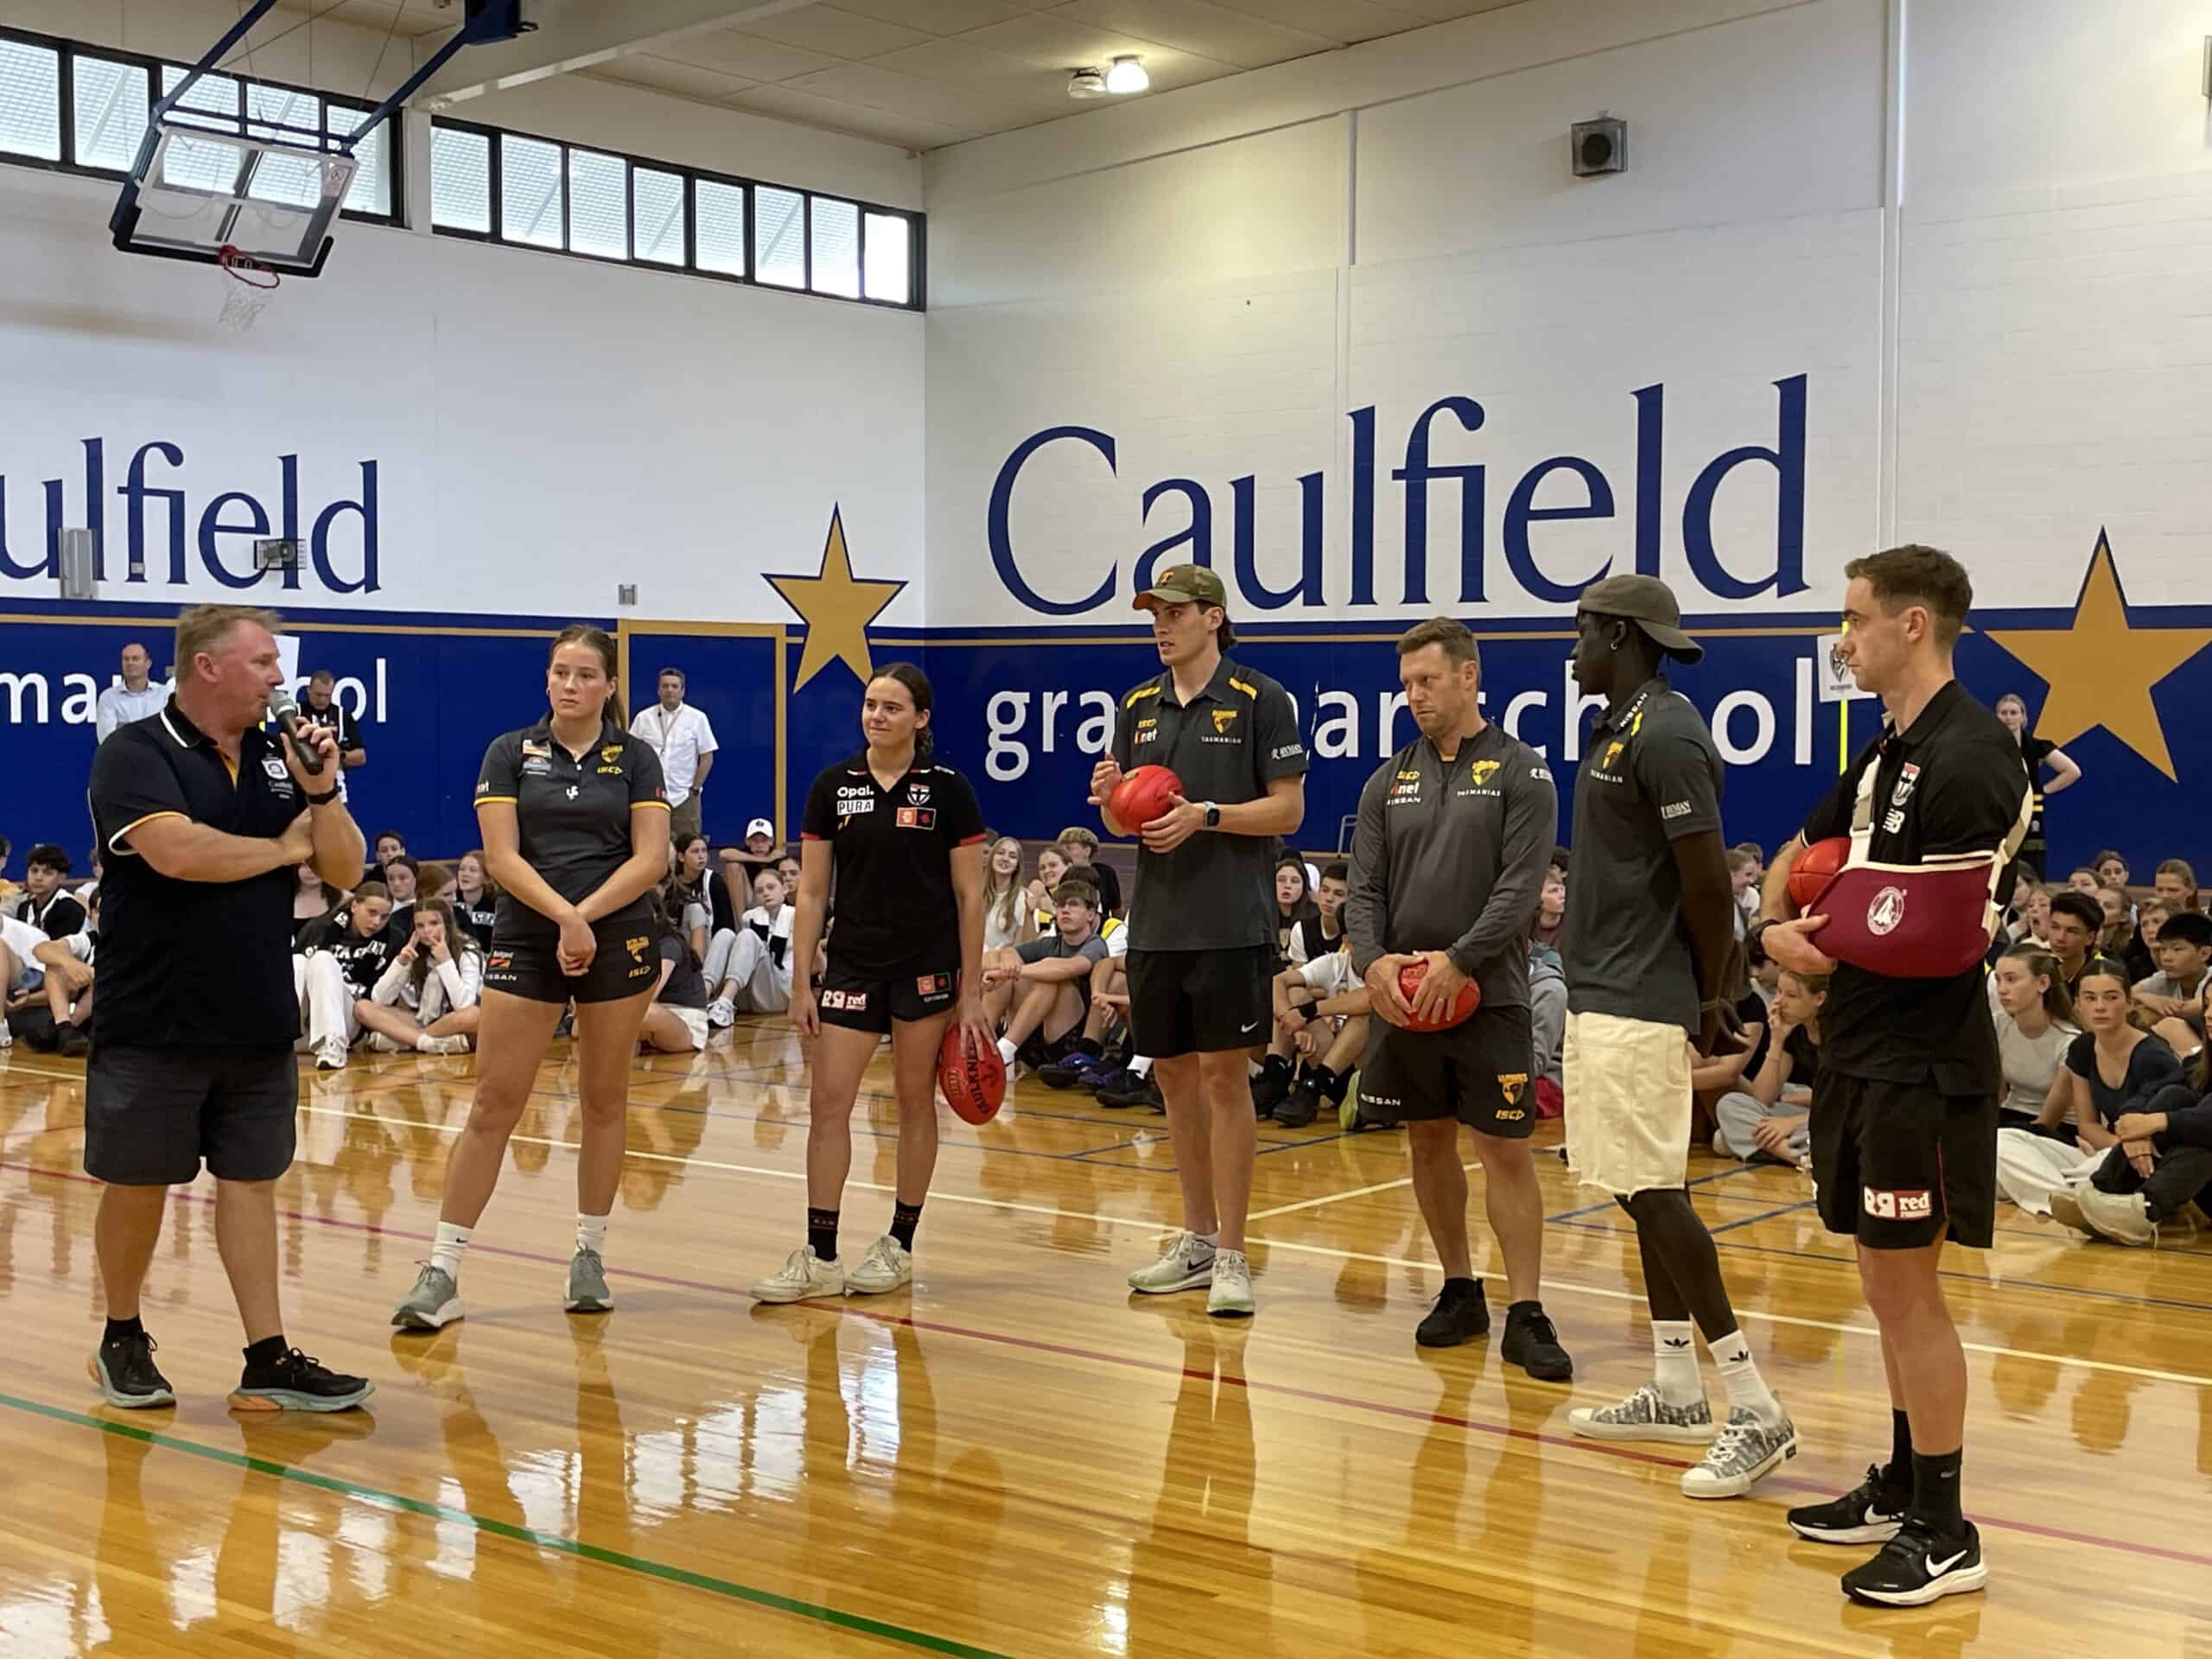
(1744, 887)
(1095, 1060)
(2077, 919)
(1766, 1121)
(2176, 886)
(1294, 904)
(313, 901)
(690, 891)
(2111, 1068)
(2036, 1025)
(64, 1026)
(1322, 1010)
(677, 1022)
(741, 864)
(435, 880)
(476, 897)
(2163, 1161)
(1548, 1027)
(47, 904)
(2119, 939)
(341, 959)
(1045, 985)
(2111, 869)
(22, 979)
(389, 845)
(1321, 932)
(427, 998)
(1079, 847)
(2083, 879)
(1006, 917)
(402, 880)
(1550, 926)
(2035, 916)
(749, 967)
(2183, 949)
(1051, 870)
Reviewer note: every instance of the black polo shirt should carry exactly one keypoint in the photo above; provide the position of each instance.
(1649, 776)
(345, 725)
(1236, 736)
(194, 964)
(893, 851)
(1953, 784)
(572, 814)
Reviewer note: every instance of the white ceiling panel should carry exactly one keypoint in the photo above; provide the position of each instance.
(1203, 30)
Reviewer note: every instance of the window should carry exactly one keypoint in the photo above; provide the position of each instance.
(543, 193)
(30, 100)
(371, 192)
(112, 101)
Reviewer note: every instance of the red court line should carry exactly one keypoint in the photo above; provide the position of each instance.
(1161, 1368)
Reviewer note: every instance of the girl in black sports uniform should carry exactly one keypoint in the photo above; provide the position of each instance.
(905, 840)
(575, 835)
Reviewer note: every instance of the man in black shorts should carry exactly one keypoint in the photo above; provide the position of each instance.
(1455, 833)
(203, 818)
(1202, 924)
(1905, 1111)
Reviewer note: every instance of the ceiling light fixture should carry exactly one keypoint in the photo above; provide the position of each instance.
(1086, 83)
(1127, 75)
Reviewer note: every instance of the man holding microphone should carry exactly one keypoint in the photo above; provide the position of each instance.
(204, 816)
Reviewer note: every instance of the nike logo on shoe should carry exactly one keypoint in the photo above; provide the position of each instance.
(1936, 1569)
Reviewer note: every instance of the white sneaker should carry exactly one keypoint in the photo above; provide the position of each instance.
(7, 1037)
(455, 1044)
(1644, 1415)
(721, 1012)
(1231, 1295)
(1187, 1264)
(330, 1054)
(380, 1044)
(885, 1267)
(803, 1277)
(1745, 1450)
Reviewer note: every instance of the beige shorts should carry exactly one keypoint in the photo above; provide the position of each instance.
(694, 1022)
(1628, 1103)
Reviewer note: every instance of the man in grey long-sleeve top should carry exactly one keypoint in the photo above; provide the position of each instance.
(1455, 833)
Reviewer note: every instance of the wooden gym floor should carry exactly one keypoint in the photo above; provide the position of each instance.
(1017, 1458)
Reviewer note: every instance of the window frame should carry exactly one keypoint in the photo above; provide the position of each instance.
(69, 50)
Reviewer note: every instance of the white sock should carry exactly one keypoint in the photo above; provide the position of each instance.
(1740, 1374)
(424, 1043)
(591, 1232)
(445, 1254)
(1211, 1241)
(1141, 1066)
(1674, 1361)
(1007, 1051)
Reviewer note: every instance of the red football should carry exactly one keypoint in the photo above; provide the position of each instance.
(1815, 867)
(1470, 999)
(972, 1076)
(1142, 795)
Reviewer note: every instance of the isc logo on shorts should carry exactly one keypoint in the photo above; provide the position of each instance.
(933, 984)
(1508, 1115)
(1907, 1204)
(846, 1002)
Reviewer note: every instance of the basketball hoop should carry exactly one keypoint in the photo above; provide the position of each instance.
(247, 293)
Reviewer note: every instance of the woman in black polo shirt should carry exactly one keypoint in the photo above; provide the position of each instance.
(575, 835)
(904, 839)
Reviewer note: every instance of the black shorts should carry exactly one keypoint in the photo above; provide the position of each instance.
(866, 1000)
(1901, 1165)
(1478, 1071)
(153, 1116)
(1199, 1001)
(529, 966)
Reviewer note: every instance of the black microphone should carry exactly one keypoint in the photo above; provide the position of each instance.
(284, 709)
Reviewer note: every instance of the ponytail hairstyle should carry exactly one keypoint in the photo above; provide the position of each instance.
(586, 633)
(918, 686)
(2057, 1001)
(458, 941)
(665, 911)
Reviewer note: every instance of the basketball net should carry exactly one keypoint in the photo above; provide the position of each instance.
(248, 287)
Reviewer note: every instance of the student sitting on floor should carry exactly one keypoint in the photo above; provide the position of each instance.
(1321, 1010)
(2163, 1162)
(2111, 1068)
(1045, 985)
(64, 1025)
(677, 1022)
(2036, 1022)
(1765, 1122)
(427, 1000)
(749, 967)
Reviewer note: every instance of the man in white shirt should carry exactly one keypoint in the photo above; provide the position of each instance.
(685, 742)
(137, 698)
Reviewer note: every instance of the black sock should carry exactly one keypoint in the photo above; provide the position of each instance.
(123, 1330)
(1464, 1288)
(1277, 1063)
(1523, 1310)
(1083, 1045)
(267, 1351)
(1330, 1085)
(822, 1234)
(904, 1217)
(1899, 1474)
(1935, 1491)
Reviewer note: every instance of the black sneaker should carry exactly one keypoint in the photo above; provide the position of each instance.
(296, 1382)
(1870, 1513)
(1066, 1071)
(71, 1040)
(1269, 1088)
(1301, 1106)
(1920, 1565)
(1152, 1100)
(1460, 1315)
(127, 1375)
(1131, 1091)
(1532, 1343)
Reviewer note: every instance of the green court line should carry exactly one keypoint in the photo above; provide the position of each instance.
(554, 1541)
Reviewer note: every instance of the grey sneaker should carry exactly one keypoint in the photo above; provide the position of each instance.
(1746, 1449)
(1186, 1264)
(435, 1302)
(804, 1278)
(1230, 1297)
(885, 1268)
(587, 1291)
(1644, 1415)
(454, 1045)
(2123, 1218)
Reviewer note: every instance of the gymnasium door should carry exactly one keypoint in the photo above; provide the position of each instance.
(734, 674)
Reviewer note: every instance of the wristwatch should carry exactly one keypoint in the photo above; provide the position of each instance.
(1213, 816)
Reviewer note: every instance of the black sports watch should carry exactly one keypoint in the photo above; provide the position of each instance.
(1213, 816)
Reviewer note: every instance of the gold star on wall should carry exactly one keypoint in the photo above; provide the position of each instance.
(2100, 670)
(836, 608)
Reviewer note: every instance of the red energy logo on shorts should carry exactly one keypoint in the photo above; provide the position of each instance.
(846, 1001)
(1906, 1204)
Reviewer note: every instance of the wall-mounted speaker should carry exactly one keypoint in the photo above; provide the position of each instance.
(1598, 146)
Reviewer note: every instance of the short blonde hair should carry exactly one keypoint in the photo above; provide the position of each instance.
(201, 627)
(1076, 835)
